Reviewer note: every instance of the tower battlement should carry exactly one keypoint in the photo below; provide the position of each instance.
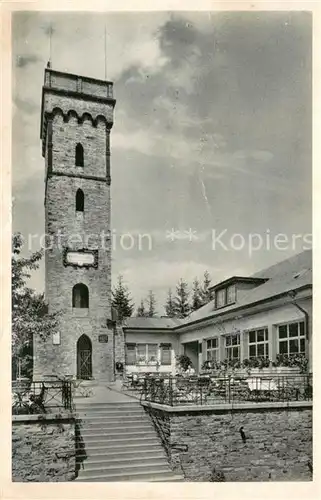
(83, 85)
(68, 95)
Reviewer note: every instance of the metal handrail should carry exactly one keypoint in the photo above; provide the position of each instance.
(48, 394)
(175, 391)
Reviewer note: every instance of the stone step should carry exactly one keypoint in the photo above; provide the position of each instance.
(124, 442)
(111, 470)
(104, 414)
(138, 446)
(111, 409)
(140, 476)
(119, 453)
(105, 426)
(128, 420)
(120, 434)
(93, 464)
(115, 415)
(119, 404)
(117, 429)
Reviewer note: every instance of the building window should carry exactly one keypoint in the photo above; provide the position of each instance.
(232, 346)
(292, 338)
(166, 354)
(147, 352)
(130, 354)
(220, 298)
(80, 200)
(80, 296)
(259, 343)
(231, 294)
(152, 350)
(225, 296)
(212, 349)
(79, 155)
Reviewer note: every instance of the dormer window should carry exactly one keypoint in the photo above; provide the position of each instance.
(230, 294)
(225, 296)
(226, 291)
(220, 298)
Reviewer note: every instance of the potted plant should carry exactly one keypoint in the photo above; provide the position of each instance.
(257, 365)
(183, 362)
(293, 362)
(141, 360)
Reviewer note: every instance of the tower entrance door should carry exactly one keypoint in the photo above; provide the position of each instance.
(84, 358)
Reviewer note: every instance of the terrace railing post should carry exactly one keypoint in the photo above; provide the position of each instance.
(229, 388)
(171, 391)
(144, 391)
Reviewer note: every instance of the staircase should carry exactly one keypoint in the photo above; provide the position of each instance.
(118, 442)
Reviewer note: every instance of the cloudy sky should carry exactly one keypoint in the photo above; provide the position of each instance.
(212, 133)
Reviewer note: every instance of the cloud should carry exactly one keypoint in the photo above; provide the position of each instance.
(25, 60)
(49, 29)
(260, 156)
(27, 106)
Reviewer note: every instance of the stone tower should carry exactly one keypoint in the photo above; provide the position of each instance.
(76, 119)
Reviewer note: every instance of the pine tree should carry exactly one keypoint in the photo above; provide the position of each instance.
(141, 311)
(205, 291)
(197, 299)
(170, 305)
(30, 316)
(121, 300)
(151, 304)
(182, 307)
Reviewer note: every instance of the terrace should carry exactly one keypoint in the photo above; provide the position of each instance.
(212, 390)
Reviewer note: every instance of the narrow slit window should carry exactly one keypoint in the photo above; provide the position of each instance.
(80, 201)
(79, 155)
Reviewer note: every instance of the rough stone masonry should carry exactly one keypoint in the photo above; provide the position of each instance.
(204, 444)
(43, 448)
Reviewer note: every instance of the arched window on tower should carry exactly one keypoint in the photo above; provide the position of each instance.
(79, 155)
(80, 296)
(80, 200)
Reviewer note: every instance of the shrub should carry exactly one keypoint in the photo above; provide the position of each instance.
(184, 361)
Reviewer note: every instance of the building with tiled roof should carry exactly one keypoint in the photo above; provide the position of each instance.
(265, 315)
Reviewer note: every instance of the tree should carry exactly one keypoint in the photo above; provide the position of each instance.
(151, 304)
(30, 316)
(182, 307)
(170, 305)
(197, 299)
(205, 291)
(121, 300)
(141, 311)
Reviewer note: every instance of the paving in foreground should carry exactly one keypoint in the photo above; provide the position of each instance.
(116, 441)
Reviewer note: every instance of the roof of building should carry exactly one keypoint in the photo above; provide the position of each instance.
(234, 279)
(287, 275)
(161, 323)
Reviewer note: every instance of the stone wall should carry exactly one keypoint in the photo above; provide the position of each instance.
(43, 448)
(277, 445)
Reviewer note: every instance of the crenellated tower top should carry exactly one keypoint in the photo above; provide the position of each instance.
(69, 95)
